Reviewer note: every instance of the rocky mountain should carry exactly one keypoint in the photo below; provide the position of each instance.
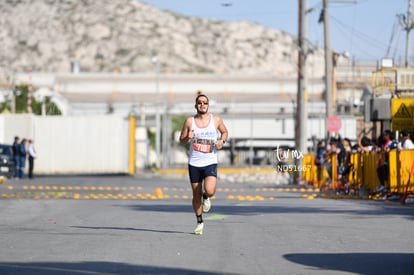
(124, 35)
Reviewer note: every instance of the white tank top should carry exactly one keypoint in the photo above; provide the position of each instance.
(203, 151)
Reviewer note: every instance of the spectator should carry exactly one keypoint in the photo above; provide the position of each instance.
(32, 156)
(330, 148)
(332, 152)
(16, 156)
(340, 155)
(355, 149)
(320, 160)
(23, 154)
(406, 142)
(365, 144)
(388, 143)
(346, 163)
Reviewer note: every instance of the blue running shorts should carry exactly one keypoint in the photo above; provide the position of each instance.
(197, 174)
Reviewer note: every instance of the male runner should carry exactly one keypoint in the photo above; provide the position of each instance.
(201, 131)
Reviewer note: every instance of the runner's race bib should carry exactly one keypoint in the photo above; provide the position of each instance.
(203, 145)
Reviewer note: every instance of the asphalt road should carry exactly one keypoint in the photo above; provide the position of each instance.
(143, 225)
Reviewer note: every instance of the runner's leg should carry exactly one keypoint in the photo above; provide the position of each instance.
(210, 184)
(197, 195)
(210, 180)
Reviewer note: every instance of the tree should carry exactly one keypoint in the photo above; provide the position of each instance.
(21, 103)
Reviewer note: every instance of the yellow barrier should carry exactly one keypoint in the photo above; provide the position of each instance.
(309, 173)
(370, 177)
(363, 171)
(356, 174)
(400, 163)
(317, 176)
(394, 171)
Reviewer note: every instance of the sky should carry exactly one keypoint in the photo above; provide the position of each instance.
(365, 29)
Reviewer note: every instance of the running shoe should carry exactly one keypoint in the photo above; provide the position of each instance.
(206, 205)
(199, 229)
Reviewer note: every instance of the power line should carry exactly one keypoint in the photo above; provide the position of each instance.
(351, 32)
(360, 34)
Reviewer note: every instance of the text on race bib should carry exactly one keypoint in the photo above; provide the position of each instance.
(203, 145)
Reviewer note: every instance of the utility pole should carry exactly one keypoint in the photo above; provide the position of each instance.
(329, 104)
(299, 94)
(328, 65)
(304, 111)
(301, 114)
(408, 27)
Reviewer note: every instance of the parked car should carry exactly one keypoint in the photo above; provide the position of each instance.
(7, 165)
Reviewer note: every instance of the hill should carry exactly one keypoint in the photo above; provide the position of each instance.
(123, 35)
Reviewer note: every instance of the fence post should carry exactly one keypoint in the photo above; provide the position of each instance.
(334, 171)
(131, 151)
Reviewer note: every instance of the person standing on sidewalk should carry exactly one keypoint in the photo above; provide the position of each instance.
(23, 155)
(201, 131)
(32, 155)
(16, 156)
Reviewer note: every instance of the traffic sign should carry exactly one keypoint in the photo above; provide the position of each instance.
(402, 110)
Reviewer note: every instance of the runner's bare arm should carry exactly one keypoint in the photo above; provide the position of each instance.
(223, 131)
(186, 134)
